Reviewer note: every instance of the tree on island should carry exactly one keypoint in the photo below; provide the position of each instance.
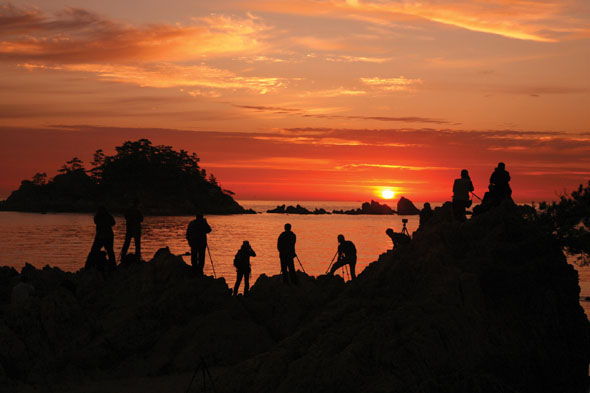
(166, 181)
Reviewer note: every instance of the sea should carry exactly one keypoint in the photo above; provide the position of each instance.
(63, 239)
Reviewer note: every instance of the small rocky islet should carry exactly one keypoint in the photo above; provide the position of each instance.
(404, 207)
(488, 305)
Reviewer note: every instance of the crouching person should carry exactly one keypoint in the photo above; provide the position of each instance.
(243, 268)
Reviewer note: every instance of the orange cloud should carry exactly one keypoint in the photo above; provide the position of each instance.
(391, 84)
(79, 36)
(547, 21)
(171, 75)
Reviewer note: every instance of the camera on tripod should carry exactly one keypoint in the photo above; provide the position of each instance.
(404, 229)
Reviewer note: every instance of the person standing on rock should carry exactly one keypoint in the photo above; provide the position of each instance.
(499, 183)
(286, 247)
(425, 214)
(461, 189)
(133, 219)
(346, 256)
(104, 235)
(196, 234)
(243, 267)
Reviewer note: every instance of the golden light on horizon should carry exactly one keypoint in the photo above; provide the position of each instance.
(387, 193)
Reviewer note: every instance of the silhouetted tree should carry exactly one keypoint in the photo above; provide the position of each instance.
(569, 221)
(75, 164)
(40, 179)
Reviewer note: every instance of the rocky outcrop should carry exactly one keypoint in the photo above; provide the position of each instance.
(283, 209)
(405, 207)
(487, 305)
(368, 208)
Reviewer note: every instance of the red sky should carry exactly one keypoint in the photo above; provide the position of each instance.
(304, 100)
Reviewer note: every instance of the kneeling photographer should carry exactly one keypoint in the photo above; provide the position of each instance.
(400, 238)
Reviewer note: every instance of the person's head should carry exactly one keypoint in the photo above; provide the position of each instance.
(245, 244)
(464, 174)
(340, 238)
(199, 216)
(501, 166)
(101, 209)
(389, 231)
(287, 227)
(427, 206)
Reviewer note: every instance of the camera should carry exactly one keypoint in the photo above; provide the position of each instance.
(405, 220)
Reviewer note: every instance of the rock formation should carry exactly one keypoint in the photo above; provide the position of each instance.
(368, 208)
(405, 207)
(488, 305)
(283, 209)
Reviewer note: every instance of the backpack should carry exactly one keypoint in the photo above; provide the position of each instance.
(240, 261)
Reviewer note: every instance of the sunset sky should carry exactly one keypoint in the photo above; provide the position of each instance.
(305, 100)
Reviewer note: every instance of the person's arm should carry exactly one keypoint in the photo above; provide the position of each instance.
(470, 186)
(112, 220)
(252, 253)
(207, 227)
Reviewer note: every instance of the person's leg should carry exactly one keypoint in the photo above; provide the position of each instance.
(239, 275)
(291, 266)
(337, 265)
(137, 238)
(194, 260)
(201, 257)
(352, 268)
(126, 245)
(284, 270)
(96, 245)
(108, 245)
(246, 283)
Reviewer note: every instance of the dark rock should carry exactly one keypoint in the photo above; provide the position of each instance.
(487, 305)
(368, 208)
(283, 209)
(405, 207)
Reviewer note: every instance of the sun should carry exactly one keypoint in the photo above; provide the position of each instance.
(387, 194)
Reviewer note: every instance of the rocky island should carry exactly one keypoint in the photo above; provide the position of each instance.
(488, 305)
(167, 182)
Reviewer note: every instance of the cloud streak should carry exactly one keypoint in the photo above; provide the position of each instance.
(306, 114)
(547, 21)
(77, 36)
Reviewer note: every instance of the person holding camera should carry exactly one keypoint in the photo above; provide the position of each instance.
(461, 189)
(346, 256)
(398, 239)
(243, 268)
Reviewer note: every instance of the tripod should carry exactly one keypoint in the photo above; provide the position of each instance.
(202, 366)
(405, 230)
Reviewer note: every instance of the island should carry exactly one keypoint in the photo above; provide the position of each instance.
(165, 181)
(283, 209)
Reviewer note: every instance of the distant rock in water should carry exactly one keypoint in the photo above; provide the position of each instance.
(488, 305)
(405, 207)
(283, 209)
(368, 208)
(167, 182)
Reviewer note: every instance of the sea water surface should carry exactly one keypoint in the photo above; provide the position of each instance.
(64, 239)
